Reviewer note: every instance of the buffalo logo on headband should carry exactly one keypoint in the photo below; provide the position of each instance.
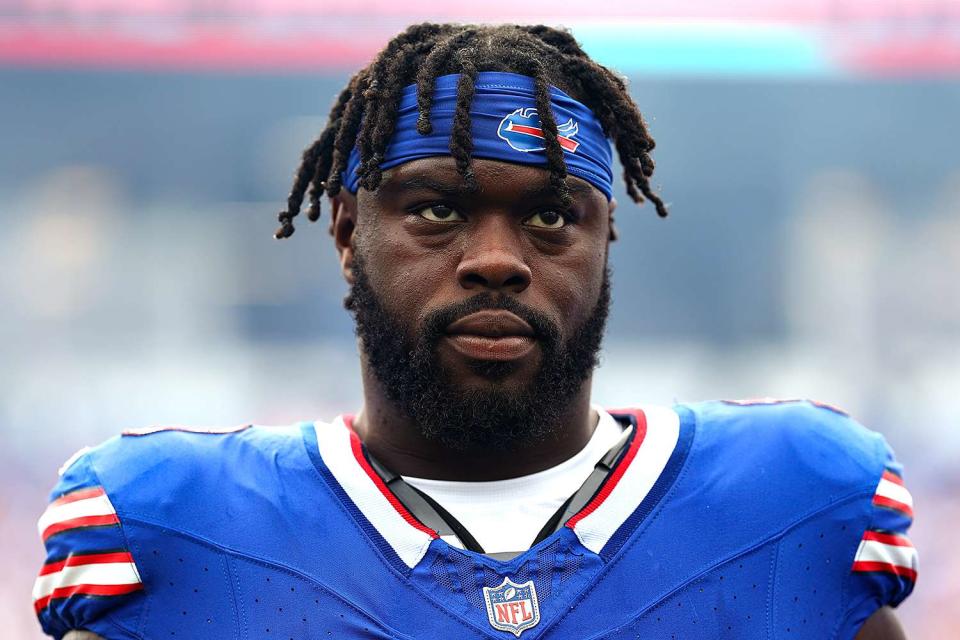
(522, 131)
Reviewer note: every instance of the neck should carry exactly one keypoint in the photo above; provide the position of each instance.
(396, 441)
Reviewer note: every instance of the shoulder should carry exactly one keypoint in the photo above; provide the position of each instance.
(780, 465)
(145, 468)
(129, 493)
(817, 469)
(811, 443)
(187, 444)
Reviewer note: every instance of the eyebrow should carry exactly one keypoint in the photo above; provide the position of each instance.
(459, 189)
(425, 182)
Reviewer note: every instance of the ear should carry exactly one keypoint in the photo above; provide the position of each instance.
(612, 206)
(343, 225)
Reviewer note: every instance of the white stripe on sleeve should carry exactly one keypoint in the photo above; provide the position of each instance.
(96, 506)
(112, 573)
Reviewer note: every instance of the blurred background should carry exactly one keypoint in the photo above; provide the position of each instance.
(808, 149)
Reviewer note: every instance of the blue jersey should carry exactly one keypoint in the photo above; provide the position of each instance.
(770, 520)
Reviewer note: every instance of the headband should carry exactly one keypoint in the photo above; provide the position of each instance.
(504, 125)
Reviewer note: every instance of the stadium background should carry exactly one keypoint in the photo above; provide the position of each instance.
(808, 149)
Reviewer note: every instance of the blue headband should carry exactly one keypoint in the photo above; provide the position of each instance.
(504, 125)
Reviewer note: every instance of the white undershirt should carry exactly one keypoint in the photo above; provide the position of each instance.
(506, 515)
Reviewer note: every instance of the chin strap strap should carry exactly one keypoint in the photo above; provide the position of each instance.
(430, 513)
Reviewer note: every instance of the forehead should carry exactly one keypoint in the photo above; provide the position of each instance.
(495, 179)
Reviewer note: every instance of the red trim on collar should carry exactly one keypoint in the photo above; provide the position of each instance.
(620, 469)
(356, 446)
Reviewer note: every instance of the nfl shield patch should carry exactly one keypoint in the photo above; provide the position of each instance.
(512, 607)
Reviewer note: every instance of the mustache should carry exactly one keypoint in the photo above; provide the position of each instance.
(436, 322)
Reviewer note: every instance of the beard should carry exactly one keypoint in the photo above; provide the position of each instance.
(500, 414)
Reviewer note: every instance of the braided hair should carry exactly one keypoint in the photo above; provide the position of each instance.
(365, 113)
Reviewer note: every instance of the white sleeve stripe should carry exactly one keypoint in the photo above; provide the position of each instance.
(114, 573)
(874, 551)
(893, 491)
(96, 506)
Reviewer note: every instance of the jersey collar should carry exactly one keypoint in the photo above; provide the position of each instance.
(341, 458)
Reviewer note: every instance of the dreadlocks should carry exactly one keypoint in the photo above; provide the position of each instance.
(365, 113)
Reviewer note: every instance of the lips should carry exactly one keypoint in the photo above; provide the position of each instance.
(491, 323)
(491, 335)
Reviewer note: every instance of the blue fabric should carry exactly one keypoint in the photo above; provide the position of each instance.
(111, 617)
(872, 590)
(750, 534)
(503, 119)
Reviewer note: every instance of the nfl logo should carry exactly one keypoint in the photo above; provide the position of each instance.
(512, 607)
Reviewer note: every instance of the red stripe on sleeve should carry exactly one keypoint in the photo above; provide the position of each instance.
(892, 477)
(78, 523)
(896, 505)
(79, 494)
(888, 538)
(87, 590)
(885, 567)
(90, 558)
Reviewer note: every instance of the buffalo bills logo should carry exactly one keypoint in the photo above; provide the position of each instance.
(512, 607)
(522, 131)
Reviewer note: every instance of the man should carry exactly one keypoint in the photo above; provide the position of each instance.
(479, 493)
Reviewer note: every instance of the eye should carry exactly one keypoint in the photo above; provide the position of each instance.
(546, 220)
(439, 213)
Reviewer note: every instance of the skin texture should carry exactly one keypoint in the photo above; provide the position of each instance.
(417, 265)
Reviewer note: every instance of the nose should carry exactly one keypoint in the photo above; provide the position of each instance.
(493, 259)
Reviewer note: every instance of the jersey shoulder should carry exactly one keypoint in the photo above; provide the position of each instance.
(818, 446)
(814, 467)
(165, 473)
(172, 478)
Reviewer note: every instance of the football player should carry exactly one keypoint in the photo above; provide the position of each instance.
(479, 493)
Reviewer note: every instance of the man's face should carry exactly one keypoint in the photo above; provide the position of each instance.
(480, 312)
